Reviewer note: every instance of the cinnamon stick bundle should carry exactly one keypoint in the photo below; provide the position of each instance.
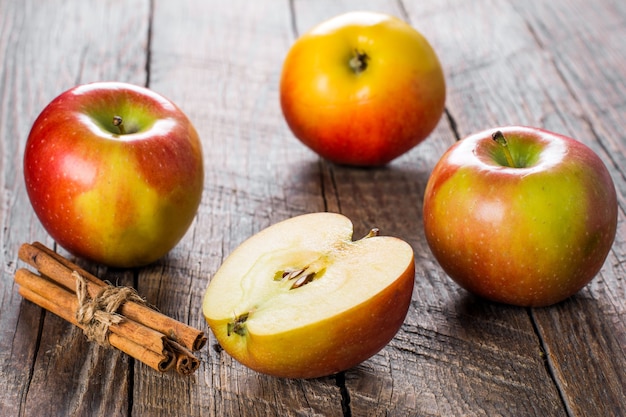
(75, 295)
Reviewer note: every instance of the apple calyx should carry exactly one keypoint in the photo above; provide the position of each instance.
(498, 136)
(358, 62)
(119, 123)
(237, 326)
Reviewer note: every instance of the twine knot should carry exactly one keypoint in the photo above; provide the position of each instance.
(96, 314)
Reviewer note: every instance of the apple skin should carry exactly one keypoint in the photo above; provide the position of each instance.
(122, 200)
(528, 236)
(364, 118)
(312, 333)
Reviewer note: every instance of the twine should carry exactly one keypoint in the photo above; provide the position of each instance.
(96, 314)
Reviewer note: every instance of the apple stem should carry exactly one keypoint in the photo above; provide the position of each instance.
(499, 137)
(119, 122)
(373, 232)
(358, 62)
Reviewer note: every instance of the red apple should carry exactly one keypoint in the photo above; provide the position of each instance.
(301, 299)
(527, 219)
(114, 172)
(362, 88)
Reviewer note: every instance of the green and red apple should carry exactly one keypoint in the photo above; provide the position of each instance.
(362, 88)
(520, 215)
(301, 299)
(114, 173)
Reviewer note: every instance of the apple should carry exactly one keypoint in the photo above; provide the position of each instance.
(362, 88)
(301, 299)
(520, 215)
(114, 173)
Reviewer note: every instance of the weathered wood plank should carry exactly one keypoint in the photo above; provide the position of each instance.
(559, 65)
(455, 354)
(555, 78)
(48, 367)
(227, 82)
(588, 356)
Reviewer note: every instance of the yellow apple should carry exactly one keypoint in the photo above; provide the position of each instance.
(362, 88)
(301, 299)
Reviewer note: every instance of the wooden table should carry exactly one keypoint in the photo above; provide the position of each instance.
(558, 64)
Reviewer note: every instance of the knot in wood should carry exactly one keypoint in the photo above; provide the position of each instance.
(97, 314)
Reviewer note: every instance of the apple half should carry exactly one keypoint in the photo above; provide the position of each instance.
(301, 299)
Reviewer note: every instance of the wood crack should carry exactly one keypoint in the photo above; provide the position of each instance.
(453, 125)
(292, 15)
(149, 44)
(340, 380)
(548, 362)
(31, 369)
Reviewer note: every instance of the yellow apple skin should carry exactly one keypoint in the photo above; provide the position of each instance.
(317, 348)
(363, 117)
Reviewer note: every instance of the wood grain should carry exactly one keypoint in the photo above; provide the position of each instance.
(558, 65)
(47, 366)
(587, 357)
(255, 176)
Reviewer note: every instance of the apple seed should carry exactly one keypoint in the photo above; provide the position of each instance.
(303, 280)
(289, 275)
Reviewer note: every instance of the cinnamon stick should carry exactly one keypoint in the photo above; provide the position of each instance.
(60, 269)
(186, 362)
(111, 315)
(129, 329)
(64, 304)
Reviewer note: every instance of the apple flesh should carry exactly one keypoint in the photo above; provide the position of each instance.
(300, 299)
(362, 88)
(528, 221)
(114, 173)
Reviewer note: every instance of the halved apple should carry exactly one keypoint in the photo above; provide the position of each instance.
(301, 299)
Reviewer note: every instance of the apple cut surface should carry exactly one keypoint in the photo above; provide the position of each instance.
(301, 299)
